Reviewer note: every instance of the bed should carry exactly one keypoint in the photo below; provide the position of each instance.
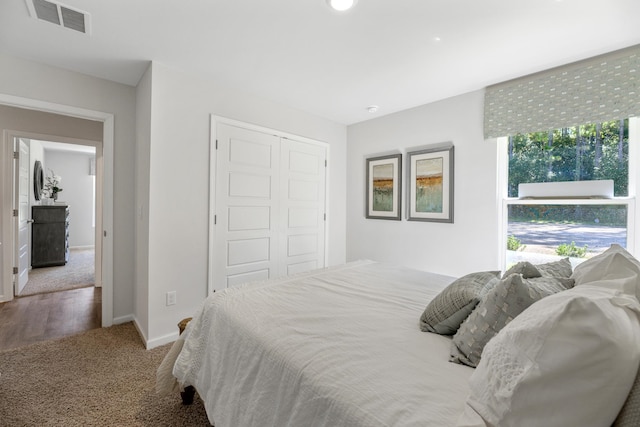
(342, 346)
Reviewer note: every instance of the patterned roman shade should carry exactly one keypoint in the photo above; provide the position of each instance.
(598, 89)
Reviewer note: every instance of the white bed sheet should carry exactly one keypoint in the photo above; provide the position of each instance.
(334, 347)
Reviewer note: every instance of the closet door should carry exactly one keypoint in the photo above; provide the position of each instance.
(269, 206)
(302, 180)
(247, 206)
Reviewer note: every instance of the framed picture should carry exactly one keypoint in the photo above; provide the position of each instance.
(384, 186)
(430, 187)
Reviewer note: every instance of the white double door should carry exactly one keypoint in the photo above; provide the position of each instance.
(270, 206)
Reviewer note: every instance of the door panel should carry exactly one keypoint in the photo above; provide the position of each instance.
(249, 185)
(302, 244)
(238, 279)
(301, 267)
(249, 218)
(303, 190)
(302, 217)
(248, 251)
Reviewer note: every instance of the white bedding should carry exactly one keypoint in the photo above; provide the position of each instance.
(334, 347)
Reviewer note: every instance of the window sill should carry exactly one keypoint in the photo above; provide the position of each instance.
(569, 201)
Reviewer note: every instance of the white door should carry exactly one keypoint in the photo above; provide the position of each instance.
(302, 180)
(247, 206)
(269, 206)
(22, 224)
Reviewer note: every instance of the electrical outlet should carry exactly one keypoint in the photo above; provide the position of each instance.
(171, 298)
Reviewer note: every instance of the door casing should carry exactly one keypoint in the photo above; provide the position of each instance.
(104, 196)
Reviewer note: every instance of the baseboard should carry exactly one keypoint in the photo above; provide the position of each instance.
(166, 339)
(143, 336)
(82, 247)
(156, 342)
(123, 319)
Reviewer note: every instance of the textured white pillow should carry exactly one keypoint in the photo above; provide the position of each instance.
(568, 360)
(615, 268)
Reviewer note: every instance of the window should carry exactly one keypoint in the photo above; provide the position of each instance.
(546, 228)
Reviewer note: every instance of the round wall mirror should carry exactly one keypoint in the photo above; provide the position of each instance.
(38, 179)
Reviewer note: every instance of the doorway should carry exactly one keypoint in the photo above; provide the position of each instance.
(58, 239)
(104, 196)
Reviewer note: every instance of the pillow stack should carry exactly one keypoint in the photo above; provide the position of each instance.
(477, 306)
(570, 359)
(502, 304)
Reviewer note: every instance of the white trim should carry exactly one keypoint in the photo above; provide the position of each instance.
(6, 201)
(633, 243)
(124, 319)
(612, 201)
(258, 128)
(149, 344)
(165, 339)
(83, 247)
(105, 250)
(212, 201)
(502, 179)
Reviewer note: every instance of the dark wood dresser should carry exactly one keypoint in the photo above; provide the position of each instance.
(49, 235)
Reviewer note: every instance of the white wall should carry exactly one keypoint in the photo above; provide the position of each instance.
(77, 192)
(470, 243)
(179, 184)
(27, 79)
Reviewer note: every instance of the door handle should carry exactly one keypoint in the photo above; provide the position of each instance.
(30, 221)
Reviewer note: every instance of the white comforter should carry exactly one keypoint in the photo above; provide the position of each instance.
(334, 347)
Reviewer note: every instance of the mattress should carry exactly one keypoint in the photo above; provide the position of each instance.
(334, 347)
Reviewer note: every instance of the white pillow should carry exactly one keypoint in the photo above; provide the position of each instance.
(615, 268)
(568, 360)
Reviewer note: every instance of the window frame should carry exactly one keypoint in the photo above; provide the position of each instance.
(629, 201)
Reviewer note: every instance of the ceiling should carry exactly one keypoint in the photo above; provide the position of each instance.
(396, 54)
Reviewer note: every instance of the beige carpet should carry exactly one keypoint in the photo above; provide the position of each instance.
(79, 272)
(103, 377)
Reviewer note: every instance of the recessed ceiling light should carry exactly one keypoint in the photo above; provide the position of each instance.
(372, 108)
(341, 5)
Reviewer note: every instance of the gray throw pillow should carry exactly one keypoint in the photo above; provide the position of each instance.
(500, 306)
(525, 268)
(444, 314)
(560, 268)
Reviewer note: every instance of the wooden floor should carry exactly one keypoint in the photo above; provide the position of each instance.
(42, 317)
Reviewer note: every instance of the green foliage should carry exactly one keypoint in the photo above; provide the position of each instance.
(603, 215)
(513, 243)
(579, 153)
(571, 250)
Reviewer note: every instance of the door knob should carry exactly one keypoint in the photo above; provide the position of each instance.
(30, 221)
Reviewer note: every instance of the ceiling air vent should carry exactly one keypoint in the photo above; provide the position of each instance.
(59, 14)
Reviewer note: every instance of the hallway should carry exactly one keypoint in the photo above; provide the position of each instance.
(43, 317)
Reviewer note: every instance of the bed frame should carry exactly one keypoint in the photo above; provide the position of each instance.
(189, 391)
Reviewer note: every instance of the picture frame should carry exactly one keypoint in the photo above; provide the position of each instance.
(384, 187)
(430, 191)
